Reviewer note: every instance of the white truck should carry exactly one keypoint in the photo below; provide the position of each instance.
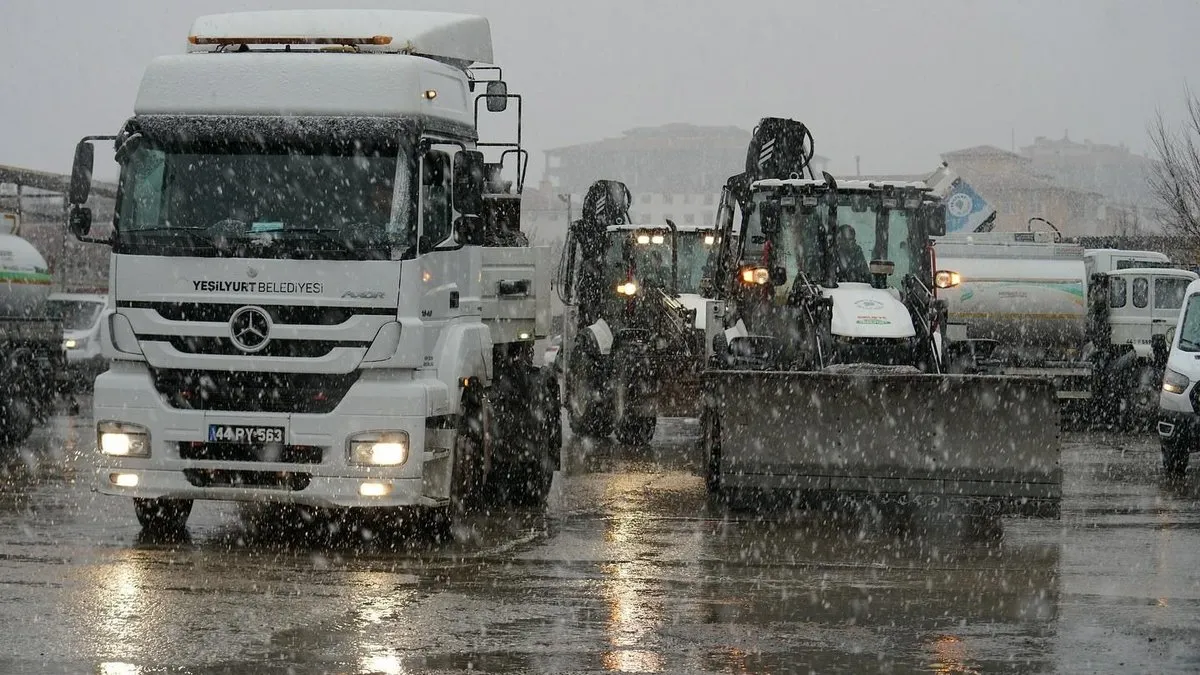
(317, 297)
(1027, 304)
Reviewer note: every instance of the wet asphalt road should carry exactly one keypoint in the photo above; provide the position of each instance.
(627, 571)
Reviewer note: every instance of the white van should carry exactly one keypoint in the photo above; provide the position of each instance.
(81, 314)
(1178, 422)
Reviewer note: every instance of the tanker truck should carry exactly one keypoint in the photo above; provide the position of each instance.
(1026, 303)
(31, 349)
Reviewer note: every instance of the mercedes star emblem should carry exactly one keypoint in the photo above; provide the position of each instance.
(251, 272)
(250, 329)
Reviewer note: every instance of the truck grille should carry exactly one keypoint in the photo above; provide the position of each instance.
(281, 314)
(252, 392)
(283, 480)
(217, 346)
(242, 452)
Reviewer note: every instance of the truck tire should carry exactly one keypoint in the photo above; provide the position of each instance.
(163, 516)
(532, 471)
(636, 430)
(470, 454)
(1174, 458)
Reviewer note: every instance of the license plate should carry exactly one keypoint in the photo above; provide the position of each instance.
(236, 433)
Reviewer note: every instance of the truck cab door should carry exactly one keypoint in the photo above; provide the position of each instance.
(1130, 314)
(1166, 302)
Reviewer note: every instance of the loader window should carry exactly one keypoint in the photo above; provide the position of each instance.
(890, 242)
(1141, 292)
(693, 260)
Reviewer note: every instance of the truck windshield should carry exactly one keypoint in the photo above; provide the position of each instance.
(1189, 333)
(336, 201)
(76, 314)
(693, 259)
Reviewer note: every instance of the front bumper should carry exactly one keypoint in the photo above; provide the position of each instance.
(125, 393)
(1181, 429)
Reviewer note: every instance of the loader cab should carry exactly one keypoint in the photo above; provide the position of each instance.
(639, 258)
(861, 233)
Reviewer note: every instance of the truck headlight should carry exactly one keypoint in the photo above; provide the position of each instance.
(122, 439)
(378, 448)
(946, 279)
(71, 344)
(755, 276)
(1174, 382)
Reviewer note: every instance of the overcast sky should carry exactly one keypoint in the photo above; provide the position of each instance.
(895, 82)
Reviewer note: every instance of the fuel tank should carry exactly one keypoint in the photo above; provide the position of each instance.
(24, 278)
(1030, 293)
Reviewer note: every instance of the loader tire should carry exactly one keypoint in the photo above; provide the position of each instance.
(636, 430)
(589, 411)
(1174, 459)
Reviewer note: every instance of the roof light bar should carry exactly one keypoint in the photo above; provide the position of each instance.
(277, 40)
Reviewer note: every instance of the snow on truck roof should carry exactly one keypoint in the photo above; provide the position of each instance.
(459, 37)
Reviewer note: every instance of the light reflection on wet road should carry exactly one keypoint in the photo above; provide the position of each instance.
(628, 571)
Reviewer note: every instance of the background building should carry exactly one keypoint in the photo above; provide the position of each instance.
(674, 171)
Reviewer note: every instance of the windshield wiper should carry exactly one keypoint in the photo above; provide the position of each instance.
(329, 235)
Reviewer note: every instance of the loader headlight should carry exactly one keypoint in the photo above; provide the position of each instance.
(946, 279)
(378, 448)
(627, 288)
(755, 276)
(121, 439)
(709, 240)
(1175, 382)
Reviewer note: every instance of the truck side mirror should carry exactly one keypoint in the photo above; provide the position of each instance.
(497, 96)
(81, 173)
(768, 214)
(79, 221)
(469, 177)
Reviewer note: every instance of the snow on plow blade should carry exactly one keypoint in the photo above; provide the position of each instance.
(993, 438)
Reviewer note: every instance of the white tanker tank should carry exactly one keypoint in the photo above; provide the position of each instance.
(1019, 289)
(25, 279)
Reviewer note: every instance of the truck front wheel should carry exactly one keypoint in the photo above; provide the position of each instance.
(163, 516)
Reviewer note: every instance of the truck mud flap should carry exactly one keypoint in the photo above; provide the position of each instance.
(994, 438)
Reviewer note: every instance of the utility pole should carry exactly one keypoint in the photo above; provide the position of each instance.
(857, 170)
(566, 199)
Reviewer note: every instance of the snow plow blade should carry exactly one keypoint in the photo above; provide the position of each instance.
(988, 438)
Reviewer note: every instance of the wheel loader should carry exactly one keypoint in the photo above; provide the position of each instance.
(631, 349)
(829, 375)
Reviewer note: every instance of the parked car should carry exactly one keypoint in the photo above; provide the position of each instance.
(82, 315)
(550, 357)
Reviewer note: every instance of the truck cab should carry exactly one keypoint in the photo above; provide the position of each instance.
(318, 296)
